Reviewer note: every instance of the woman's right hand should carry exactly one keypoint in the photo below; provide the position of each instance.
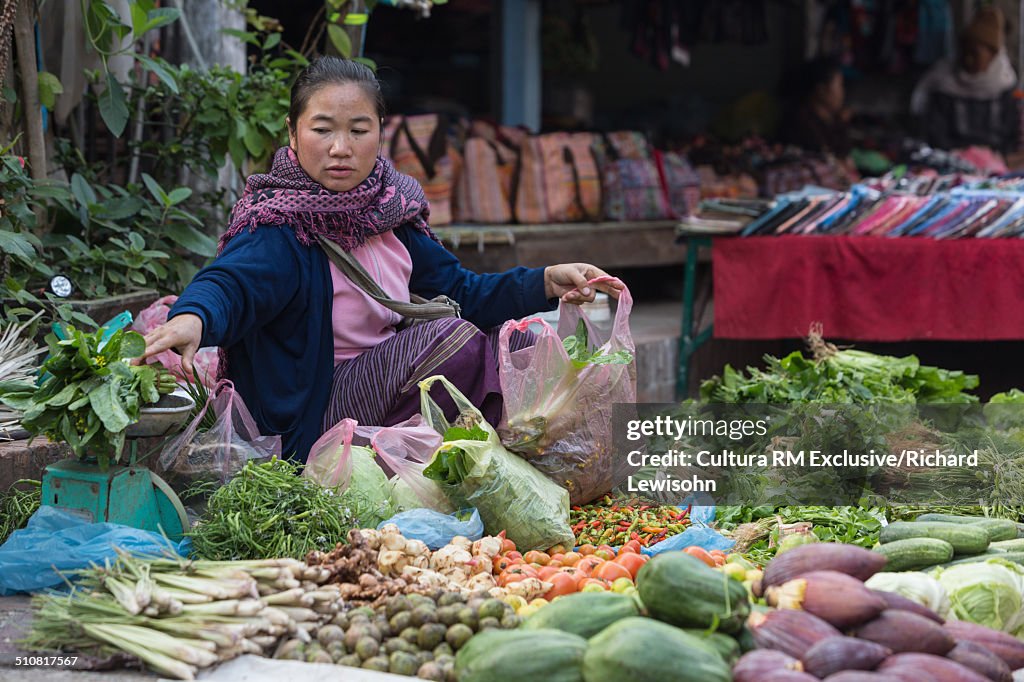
(182, 333)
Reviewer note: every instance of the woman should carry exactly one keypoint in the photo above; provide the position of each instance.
(820, 122)
(304, 346)
(971, 101)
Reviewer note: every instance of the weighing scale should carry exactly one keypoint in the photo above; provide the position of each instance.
(130, 495)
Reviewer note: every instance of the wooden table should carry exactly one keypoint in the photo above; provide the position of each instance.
(494, 248)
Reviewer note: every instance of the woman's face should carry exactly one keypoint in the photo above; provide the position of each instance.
(976, 57)
(337, 136)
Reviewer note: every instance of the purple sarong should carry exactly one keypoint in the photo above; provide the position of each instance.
(380, 387)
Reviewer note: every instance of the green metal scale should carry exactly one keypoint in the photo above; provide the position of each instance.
(130, 495)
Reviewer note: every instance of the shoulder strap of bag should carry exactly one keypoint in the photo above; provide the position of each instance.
(438, 145)
(418, 309)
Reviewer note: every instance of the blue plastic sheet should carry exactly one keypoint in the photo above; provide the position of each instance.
(702, 513)
(56, 540)
(700, 536)
(436, 529)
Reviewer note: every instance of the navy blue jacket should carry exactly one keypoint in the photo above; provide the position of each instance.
(267, 299)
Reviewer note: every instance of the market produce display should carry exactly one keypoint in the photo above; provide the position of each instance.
(89, 394)
(268, 510)
(616, 522)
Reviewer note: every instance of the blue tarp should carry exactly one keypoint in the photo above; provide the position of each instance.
(56, 540)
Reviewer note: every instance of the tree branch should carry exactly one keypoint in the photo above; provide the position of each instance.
(25, 42)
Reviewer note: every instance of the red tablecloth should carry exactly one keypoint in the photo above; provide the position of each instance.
(869, 288)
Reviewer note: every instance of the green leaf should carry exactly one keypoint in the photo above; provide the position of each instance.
(106, 403)
(132, 345)
(179, 195)
(191, 239)
(367, 61)
(339, 38)
(82, 190)
(139, 17)
(162, 70)
(156, 190)
(246, 36)
(16, 244)
(272, 41)
(253, 141)
(160, 17)
(113, 107)
(49, 88)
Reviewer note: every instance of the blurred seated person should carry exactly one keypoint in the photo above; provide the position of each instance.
(820, 122)
(970, 101)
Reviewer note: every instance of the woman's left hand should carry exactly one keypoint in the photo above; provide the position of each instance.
(569, 282)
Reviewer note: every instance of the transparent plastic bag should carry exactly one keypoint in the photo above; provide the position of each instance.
(559, 410)
(352, 470)
(216, 455)
(206, 360)
(403, 450)
(475, 470)
(436, 529)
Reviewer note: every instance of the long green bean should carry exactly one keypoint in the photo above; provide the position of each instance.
(268, 510)
(17, 505)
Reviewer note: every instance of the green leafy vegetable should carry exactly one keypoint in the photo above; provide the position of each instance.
(267, 511)
(90, 394)
(581, 354)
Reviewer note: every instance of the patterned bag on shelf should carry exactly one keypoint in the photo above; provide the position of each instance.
(682, 183)
(631, 186)
(557, 180)
(483, 193)
(419, 147)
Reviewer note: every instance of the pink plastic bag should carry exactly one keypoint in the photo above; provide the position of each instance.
(558, 416)
(205, 360)
(400, 452)
(220, 452)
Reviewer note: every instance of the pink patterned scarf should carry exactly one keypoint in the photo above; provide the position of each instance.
(288, 196)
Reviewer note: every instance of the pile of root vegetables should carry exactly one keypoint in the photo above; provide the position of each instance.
(829, 625)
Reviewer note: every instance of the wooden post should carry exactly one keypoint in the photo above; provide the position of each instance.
(8, 8)
(25, 42)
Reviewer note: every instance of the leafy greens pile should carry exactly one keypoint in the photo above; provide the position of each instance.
(90, 394)
(577, 347)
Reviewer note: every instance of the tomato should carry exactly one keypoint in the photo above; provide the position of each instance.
(588, 563)
(507, 545)
(513, 555)
(555, 563)
(571, 558)
(716, 552)
(719, 560)
(612, 571)
(535, 557)
(500, 563)
(702, 554)
(607, 548)
(633, 546)
(557, 549)
(589, 582)
(606, 554)
(586, 549)
(631, 562)
(546, 572)
(557, 557)
(516, 573)
(561, 583)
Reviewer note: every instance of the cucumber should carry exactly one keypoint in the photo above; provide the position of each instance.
(1009, 545)
(998, 529)
(915, 553)
(965, 538)
(1012, 557)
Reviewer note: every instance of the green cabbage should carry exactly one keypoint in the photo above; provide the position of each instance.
(915, 586)
(987, 593)
(403, 497)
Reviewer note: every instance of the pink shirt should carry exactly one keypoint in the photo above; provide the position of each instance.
(359, 322)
